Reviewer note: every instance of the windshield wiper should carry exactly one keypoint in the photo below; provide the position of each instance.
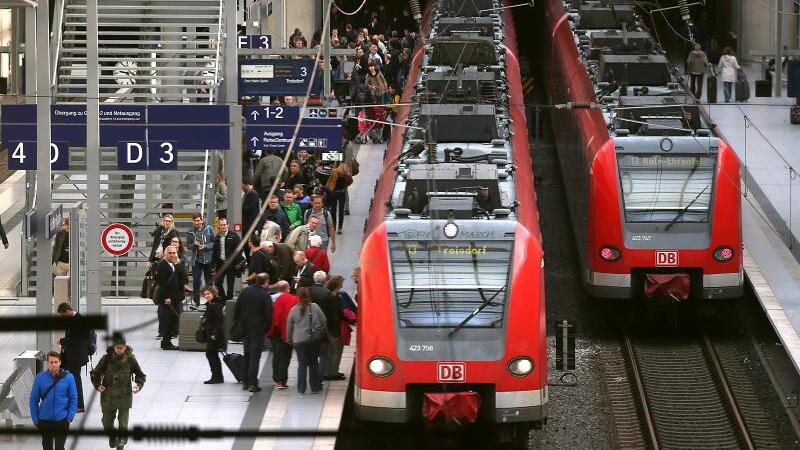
(683, 211)
(477, 311)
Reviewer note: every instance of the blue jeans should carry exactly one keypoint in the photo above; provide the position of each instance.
(308, 366)
(253, 346)
(200, 271)
(727, 87)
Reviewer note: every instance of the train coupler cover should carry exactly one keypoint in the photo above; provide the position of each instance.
(667, 285)
(453, 408)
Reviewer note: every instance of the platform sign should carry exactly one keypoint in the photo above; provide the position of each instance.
(259, 77)
(190, 127)
(117, 239)
(22, 155)
(162, 156)
(132, 155)
(260, 41)
(184, 127)
(271, 128)
(311, 138)
(288, 115)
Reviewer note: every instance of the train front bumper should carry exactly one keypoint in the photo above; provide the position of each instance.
(407, 406)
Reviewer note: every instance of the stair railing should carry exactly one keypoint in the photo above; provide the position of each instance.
(55, 40)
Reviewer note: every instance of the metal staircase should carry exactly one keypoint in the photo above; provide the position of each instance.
(149, 51)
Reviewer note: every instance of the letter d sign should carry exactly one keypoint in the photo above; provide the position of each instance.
(131, 156)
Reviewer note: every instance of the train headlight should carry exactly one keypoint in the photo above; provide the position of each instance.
(609, 253)
(380, 366)
(450, 230)
(520, 366)
(723, 253)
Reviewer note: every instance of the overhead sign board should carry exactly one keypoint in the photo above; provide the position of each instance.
(272, 127)
(117, 239)
(180, 127)
(263, 41)
(259, 77)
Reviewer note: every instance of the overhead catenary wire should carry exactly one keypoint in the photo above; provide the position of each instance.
(339, 8)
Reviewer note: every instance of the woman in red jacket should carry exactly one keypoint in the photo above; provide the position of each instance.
(281, 350)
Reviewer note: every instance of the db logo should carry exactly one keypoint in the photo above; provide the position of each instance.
(451, 372)
(237, 227)
(667, 258)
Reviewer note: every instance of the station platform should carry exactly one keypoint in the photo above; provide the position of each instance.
(766, 144)
(174, 392)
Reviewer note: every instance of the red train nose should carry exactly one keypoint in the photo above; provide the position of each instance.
(669, 285)
(452, 408)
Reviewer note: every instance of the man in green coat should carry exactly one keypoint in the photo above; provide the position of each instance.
(112, 378)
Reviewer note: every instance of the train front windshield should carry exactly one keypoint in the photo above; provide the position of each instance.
(440, 284)
(667, 188)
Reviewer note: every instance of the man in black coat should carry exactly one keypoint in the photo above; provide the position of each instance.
(74, 349)
(170, 278)
(254, 312)
(250, 205)
(330, 354)
(225, 244)
(304, 271)
(259, 262)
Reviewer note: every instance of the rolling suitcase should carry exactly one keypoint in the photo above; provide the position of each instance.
(234, 363)
(189, 321)
(711, 89)
(763, 88)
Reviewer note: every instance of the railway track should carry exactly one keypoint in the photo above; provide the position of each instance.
(688, 393)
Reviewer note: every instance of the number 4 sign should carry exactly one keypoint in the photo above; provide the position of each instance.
(22, 155)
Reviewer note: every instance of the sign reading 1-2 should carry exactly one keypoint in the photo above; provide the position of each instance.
(22, 155)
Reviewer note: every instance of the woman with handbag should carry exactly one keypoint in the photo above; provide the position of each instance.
(212, 332)
(306, 329)
(162, 236)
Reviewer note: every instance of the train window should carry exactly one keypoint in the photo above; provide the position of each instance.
(666, 188)
(438, 284)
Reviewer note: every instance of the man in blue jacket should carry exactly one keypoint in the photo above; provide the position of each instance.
(53, 402)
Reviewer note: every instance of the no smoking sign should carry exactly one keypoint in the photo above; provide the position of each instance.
(117, 239)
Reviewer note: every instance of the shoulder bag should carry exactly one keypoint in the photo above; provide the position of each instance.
(317, 334)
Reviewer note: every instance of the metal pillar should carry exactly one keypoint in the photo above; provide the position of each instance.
(13, 53)
(250, 16)
(30, 55)
(233, 157)
(75, 224)
(92, 162)
(326, 54)
(44, 271)
(279, 22)
(778, 79)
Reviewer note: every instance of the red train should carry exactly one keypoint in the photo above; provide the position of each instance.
(654, 192)
(451, 318)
